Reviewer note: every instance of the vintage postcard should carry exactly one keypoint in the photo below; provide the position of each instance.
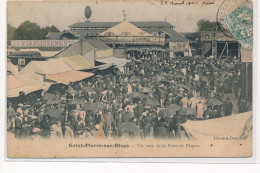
(128, 78)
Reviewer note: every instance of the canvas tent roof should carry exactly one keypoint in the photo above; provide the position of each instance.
(77, 62)
(12, 68)
(69, 76)
(53, 35)
(235, 125)
(13, 82)
(97, 44)
(51, 66)
(31, 78)
(119, 62)
(124, 28)
(27, 89)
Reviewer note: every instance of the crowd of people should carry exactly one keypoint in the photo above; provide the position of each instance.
(151, 98)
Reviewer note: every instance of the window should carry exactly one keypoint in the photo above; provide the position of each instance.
(21, 61)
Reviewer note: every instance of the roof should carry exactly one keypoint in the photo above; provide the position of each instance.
(11, 67)
(47, 54)
(29, 50)
(78, 47)
(119, 62)
(139, 24)
(90, 32)
(77, 62)
(97, 44)
(175, 36)
(13, 82)
(31, 78)
(51, 66)
(191, 34)
(70, 32)
(53, 35)
(27, 54)
(69, 76)
(124, 29)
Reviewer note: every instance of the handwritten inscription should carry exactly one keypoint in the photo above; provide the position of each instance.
(187, 3)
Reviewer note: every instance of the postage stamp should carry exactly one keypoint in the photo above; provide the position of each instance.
(240, 24)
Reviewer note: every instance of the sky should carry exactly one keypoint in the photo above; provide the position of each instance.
(62, 14)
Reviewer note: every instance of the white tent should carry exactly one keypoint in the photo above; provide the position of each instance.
(235, 126)
(51, 66)
(125, 28)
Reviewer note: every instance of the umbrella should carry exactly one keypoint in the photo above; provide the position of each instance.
(98, 105)
(87, 89)
(200, 65)
(176, 75)
(53, 101)
(89, 106)
(213, 102)
(187, 111)
(183, 86)
(204, 78)
(48, 96)
(145, 90)
(128, 127)
(215, 68)
(134, 79)
(54, 113)
(174, 108)
(99, 76)
(152, 102)
(164, 81)
(164, 113)
(136, 95)
(76, 102)
(71, 91)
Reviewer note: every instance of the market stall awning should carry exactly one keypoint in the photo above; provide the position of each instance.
(78, 62)
(119, 62)
(52, 66)
(69, 76)
(13, 82)
(27, 89)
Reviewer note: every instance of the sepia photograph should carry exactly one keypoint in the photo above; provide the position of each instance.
(128, 78)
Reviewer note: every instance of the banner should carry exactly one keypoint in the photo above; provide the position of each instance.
(179, 46)
(41, 43)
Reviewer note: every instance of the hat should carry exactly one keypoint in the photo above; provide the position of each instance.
(20, 105)
(97, 126)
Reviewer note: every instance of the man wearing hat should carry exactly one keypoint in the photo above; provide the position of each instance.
(18, 125)
(10, 116)
(228, 106)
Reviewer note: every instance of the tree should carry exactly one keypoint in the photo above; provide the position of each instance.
(28, 31)
(32, 31)
(10, 33)
(206, 25)
(47, 29)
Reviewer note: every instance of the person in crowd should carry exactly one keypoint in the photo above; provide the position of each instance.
(10, 117)
(228, 107)
(199, 110)
(18, 125)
